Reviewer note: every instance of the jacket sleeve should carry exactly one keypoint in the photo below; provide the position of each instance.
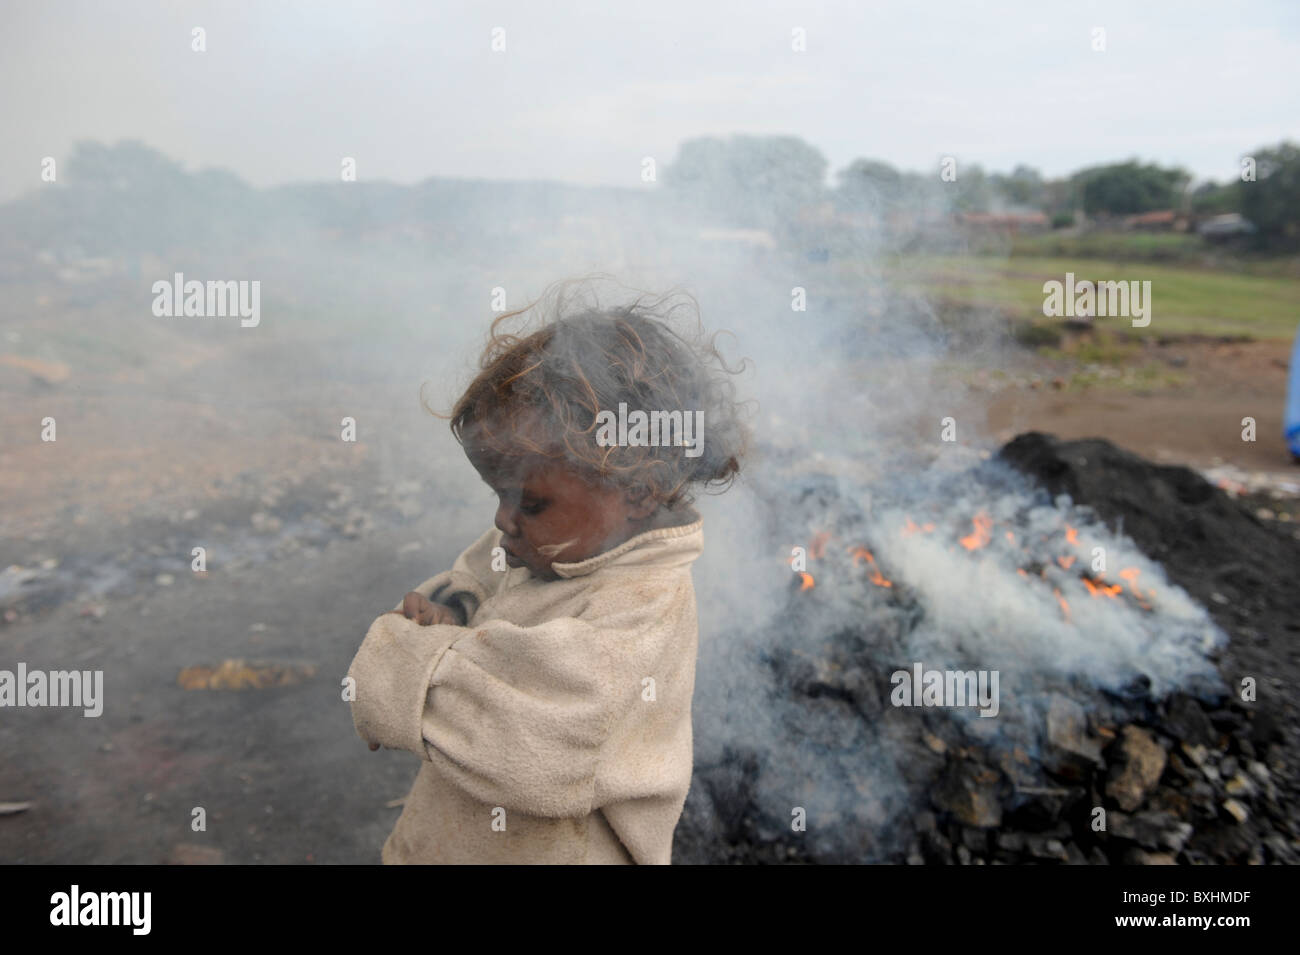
(515, 716)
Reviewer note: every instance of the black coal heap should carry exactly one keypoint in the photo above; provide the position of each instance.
(1117, 778)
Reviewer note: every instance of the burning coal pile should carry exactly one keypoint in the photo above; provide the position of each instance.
(993, 667)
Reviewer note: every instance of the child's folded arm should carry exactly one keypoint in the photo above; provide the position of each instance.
(520, 717)
(390, 675)
(516, 716)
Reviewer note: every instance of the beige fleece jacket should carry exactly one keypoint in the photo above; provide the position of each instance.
(555, 727)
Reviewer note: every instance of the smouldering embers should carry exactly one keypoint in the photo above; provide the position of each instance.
(979, 537)
(1040, 588)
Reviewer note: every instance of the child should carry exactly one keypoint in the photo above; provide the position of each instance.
(546, 679)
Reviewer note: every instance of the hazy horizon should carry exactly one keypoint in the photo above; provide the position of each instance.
(582, 94)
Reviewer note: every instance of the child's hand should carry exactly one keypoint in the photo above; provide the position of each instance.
(423, 611)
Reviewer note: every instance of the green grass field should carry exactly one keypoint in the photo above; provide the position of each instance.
(1184, 300)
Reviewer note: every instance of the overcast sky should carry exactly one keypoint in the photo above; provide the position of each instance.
(585, 90)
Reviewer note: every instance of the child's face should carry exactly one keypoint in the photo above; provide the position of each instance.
(547, 512)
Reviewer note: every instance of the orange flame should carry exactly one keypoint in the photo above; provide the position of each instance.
(982, 533)
(1098, 588)
(860, 554)
(817, 547)
(911, 527)
(1071, 535)
(1065, 562)
(807, 581)
(1131, 574)
(1065, 607)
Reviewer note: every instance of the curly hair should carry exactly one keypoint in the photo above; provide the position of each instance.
(540, 393)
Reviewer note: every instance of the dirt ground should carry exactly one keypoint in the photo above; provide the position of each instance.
(1196, 422)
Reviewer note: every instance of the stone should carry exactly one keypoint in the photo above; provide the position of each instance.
(188, 853)
(1187, 721)
(969, 791)
(1042, 847)
(1137, 856)
(1142, 761)
(1150, 829)
(1011, 841)
(1071, 752)
(1239, 785)
(1236, 810)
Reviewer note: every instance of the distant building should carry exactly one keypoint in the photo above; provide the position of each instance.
(1162, 220)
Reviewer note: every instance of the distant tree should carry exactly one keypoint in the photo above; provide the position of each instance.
(1060, 198)
(974, 189)
(1023, 187)
(868, 184)
(748, 181)
(1128, 188)
(1272, 201)
(1212, 199)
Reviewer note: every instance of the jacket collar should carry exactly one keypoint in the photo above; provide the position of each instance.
(662, 547)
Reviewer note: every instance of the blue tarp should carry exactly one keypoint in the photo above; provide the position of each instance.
(1291, 418)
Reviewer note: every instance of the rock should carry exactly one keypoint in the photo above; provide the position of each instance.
(1201, 796)
(1236, 810)
(1198, 754)
(1041, 847)
(1071, 753)
(1172, 801)
(1097, 857)
(937, 848)
(1187, 721)
(1011, 841)
(1265, 728)
(187, 853)
(1142, 761)
(969, 791)
(1138, 857)
(1239, 785)
(1152, 830)
(1279, 852)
